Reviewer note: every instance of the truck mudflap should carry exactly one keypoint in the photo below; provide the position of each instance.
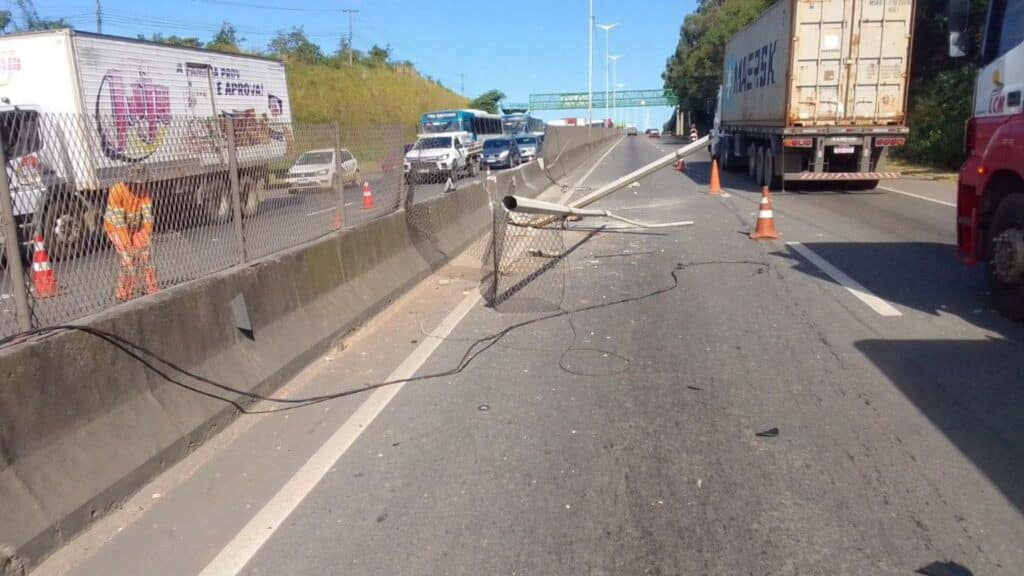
(821, 176)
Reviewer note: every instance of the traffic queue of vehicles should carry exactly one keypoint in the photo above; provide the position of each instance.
(456, 143)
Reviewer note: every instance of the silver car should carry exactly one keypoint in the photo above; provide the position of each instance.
(529, 147)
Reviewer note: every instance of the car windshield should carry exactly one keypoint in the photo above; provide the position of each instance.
(434, 143)
(496, 145)
(320, 157)
(529, 141)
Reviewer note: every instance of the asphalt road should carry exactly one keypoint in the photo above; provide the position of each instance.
(672, 401)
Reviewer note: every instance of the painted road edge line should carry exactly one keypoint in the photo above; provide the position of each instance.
(918, 196)
(877, 304)
(244, 546)
(568, 194)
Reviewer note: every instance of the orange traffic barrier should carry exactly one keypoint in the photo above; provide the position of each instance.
(367, 196)
(44, 281)
(716, 184)
(765, 228)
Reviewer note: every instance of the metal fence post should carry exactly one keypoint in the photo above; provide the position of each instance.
(339, 178)
(236, 195)
(11, 244)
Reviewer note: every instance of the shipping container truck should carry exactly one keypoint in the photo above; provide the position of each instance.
(990, 191)
(816, 90)
(76, 109)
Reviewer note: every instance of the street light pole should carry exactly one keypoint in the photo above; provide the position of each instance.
(618, 88)
(607, 42)
(590, 64)
(614, 59)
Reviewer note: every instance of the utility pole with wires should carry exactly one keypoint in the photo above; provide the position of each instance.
(99, 17)
(350, 12)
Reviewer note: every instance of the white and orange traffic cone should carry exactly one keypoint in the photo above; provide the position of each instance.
(765, 227)
(44, 281)
(367, 196)
(716, 184)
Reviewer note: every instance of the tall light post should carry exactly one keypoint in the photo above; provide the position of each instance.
(590, 64)
(614, 59)
(607, 41)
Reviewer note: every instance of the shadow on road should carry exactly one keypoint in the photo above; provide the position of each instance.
(970, 389)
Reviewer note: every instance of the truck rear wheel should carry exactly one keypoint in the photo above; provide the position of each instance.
(751, 161)
(1006, 238)
(772, 180)
(759, 166)
(64, 227)
(217, 198)
(252, 194)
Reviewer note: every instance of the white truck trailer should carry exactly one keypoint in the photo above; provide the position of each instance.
(816, 90)
(76, 109)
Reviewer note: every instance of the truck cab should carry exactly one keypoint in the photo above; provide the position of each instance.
(990, 193)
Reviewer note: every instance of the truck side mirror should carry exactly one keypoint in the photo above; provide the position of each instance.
(956, 16)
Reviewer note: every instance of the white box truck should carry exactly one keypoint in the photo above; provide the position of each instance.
(816, 90)
(76, 109)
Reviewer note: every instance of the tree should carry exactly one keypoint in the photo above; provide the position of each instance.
(377, 57)
(294, 46)
(488, 101)
(173, 40)
(32, 20)
(226, 39)
(6, 19)
(694, 71)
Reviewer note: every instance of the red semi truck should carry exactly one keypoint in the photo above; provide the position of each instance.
(990, 195)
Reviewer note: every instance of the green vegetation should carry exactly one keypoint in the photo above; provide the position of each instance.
(360, 95)
(488, 101)
(940, 87)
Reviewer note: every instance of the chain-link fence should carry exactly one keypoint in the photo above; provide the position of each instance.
(108, 209)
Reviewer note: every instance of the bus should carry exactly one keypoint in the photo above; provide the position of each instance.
(471, 124)
(523, 123)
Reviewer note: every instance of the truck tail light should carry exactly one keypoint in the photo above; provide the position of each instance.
(798, 142)
(969, 131)
(880, 142)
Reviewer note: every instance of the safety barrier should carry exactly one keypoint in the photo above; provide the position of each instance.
(91, 411)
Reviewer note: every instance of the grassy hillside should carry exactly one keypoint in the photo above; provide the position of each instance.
(360, 95)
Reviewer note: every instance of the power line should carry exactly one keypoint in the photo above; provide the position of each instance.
(268, 7)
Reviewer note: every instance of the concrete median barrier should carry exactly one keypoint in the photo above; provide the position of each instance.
(89, 413)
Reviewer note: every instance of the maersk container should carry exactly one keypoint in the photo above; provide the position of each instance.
(836, 68)
(82, 107)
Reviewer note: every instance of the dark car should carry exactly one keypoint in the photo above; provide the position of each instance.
(529, 146)
(502, 153)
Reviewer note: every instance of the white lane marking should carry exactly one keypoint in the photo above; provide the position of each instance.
(918, 196)
(565, 197)
(852, 286)
(322, 211)
(237, 553)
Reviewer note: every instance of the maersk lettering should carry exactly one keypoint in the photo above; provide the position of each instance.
(755, 70)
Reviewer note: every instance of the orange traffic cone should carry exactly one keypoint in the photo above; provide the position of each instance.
(44, 281)
(367, 196)
(336, 219)
(765, 228)
(716, 184)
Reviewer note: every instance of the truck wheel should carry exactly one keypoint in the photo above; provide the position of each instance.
(759, 166)
(64, 227)
(725, 161)
(771, 179)
(217, 199)
(252, 194)
(474, 168)
(1006, 239)
(751, 161)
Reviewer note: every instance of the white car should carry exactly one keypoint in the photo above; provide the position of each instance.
(317, 169)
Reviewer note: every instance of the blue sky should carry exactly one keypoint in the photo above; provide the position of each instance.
(520, 47)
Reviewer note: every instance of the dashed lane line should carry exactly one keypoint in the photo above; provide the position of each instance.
(877, 304)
